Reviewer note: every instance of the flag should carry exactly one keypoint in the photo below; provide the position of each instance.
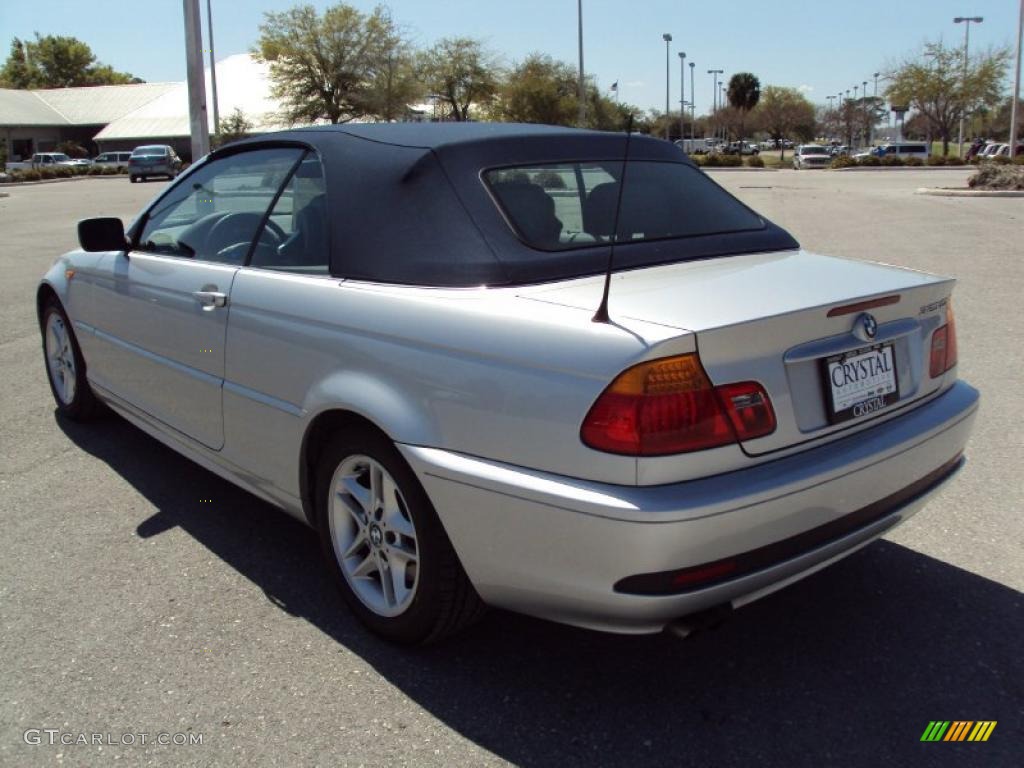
(615, 86)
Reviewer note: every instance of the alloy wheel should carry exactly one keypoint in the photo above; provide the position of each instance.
(60, 359)
(373, 535)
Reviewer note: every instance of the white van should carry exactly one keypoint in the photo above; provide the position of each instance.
(905, 149)
(112, 159)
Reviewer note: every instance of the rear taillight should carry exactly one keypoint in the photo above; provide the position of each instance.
(943, 354)
(669, 406)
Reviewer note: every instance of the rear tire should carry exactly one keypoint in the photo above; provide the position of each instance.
(384, 544)
(65, 366)
(133, 179)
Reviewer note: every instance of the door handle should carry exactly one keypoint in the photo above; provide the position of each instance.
(211, 299)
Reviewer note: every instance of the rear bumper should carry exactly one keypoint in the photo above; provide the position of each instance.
(556, 547)
(151, 170)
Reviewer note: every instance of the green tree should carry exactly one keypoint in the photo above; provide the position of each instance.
(867, 113)
(604, 114)
(234, 127)
(460, 72)
(53, 61)
(933, 84)
(542, 89)
(16, 72)
(999, 118)
(397, 85)
(784, 113)
(330, 67)
(744, 92)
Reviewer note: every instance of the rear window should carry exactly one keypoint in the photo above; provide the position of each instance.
(149, 151)
(559, 206)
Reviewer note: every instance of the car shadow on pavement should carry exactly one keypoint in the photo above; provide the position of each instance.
(845, 668)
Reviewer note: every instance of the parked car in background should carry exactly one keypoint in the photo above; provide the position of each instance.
(839, 150)
(867, 152)
(990, 149)
(692, 146)
(1004, 150)
(740, 148)
(112, 159)
(42, 160)
(440, 402)
(153, 160)
(811, 156)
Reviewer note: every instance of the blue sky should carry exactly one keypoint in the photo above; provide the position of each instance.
(821, 48)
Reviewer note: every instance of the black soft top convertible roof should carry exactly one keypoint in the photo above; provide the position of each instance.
(407, 203)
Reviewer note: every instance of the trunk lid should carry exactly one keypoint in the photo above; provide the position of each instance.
(777, 318)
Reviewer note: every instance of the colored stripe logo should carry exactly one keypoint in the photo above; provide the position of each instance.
(958, 730)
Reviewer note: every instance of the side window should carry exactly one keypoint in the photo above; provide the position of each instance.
(213, 213)
(295, 237)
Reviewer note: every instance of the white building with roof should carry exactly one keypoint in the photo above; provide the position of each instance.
(39, 120)
(113, 117)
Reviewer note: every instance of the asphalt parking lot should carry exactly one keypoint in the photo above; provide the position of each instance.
(128, 606)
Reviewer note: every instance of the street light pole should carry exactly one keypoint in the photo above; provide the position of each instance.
(966, 21)
(722, 101)
(668, 42)
(874, 106)
(714, 95)
(847, 125)
(864, 109)
(581, 117)
(682, 95)
(1014, 111)
(693, 103)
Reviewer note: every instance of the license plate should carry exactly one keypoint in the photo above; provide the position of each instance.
(860, 382)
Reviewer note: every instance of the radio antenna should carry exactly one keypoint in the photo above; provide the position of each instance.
(601, 316)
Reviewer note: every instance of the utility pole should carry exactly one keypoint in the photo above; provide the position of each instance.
(966, 21)
(668, 42)
(1014, 111)
(213, 68)
(200, 128)
(682, 95)
(581, 94)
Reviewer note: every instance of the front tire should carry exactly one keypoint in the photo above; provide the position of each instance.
(65, 366)
(384, 544)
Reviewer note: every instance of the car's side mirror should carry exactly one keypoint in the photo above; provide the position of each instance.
(102, 234)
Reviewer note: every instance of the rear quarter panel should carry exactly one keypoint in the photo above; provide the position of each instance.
(480, 372)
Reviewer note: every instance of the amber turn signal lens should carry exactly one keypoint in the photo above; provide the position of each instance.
(669, 406)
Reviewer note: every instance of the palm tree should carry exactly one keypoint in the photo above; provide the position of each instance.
(744, 93)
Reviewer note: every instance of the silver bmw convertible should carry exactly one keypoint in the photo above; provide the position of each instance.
(554, 371)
